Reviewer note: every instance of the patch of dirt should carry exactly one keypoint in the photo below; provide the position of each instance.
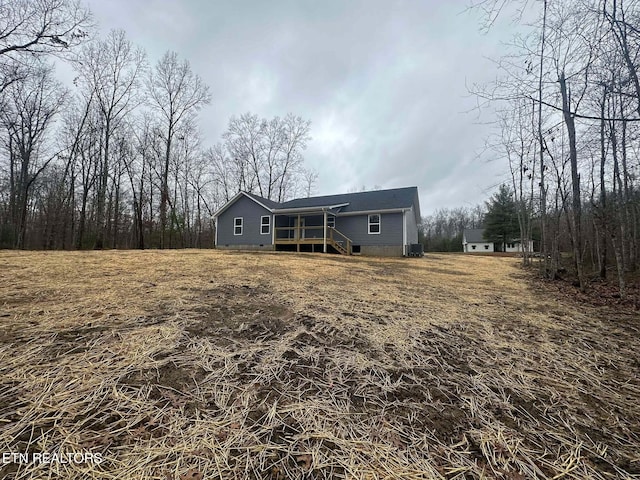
(170, 375)
(240, 312)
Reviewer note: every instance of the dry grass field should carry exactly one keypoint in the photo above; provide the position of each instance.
(186, 365)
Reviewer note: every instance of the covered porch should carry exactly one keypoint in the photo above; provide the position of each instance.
(309, 230)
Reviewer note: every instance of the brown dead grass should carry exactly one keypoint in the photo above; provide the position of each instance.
(201, 364)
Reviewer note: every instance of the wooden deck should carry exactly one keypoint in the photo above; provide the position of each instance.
(296, 236)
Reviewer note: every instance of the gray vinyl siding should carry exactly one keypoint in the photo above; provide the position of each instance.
(412, 227)
(250, 212)
(356, 227)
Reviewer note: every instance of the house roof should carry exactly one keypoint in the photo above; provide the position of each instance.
(264, 201)
(474, 235)
(397, 198)
(361, 201)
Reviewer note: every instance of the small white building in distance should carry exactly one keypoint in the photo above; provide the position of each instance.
(473, 241)
(516, 246)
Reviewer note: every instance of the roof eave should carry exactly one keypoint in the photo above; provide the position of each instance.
(319, 208)
(235, 199)
(369, 212)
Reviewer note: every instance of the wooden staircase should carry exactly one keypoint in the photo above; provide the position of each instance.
(339, 241)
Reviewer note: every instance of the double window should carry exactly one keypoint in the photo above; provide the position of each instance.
(237, 226)
(374, 224)
(331, 221)
(265, 225)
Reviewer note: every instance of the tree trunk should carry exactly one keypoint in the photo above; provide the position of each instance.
(575, 182)
(543, 191)
(102, 189)
(164, 194)
(602, 214)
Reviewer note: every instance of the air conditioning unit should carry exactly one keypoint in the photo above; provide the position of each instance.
(416, 250)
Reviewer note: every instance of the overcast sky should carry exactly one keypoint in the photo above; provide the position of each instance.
(384, 83)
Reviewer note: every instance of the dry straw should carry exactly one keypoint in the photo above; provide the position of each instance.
(191, 365)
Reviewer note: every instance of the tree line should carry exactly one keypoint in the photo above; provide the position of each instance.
(117, 160)
(567, 100)
(442, 231)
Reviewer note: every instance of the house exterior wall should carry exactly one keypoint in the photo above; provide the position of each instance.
(356, 227)
(239, 246)
(251, 237)
(382, 250)
(479, 247)
(412, 227)
(517, 247)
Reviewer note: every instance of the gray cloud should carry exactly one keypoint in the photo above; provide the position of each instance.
(383, 83)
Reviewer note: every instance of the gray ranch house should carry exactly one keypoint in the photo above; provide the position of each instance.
(381, 222)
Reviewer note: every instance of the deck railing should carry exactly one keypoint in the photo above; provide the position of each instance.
(340, 239)
(296, 233)
(301, 234)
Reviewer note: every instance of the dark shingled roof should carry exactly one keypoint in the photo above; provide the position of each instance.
(361, 201)
(265, 201)
(474, 235)
(377, 200)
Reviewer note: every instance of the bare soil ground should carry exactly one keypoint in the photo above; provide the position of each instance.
(186, 365)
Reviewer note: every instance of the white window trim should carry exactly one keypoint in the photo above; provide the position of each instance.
(268, 225)
(331, 219)
(235, 225)
(379, 223)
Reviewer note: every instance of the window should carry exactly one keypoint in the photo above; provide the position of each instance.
(374, 223)
(331, 222)
(265, 225)
(486, 247)
(473, 247)
(237, 226)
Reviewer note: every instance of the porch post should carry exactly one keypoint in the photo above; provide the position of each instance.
(324, 247)
(273, 230)
(298, 236)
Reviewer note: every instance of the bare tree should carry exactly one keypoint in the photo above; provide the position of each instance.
(587, 54)
(267, 154)
(110, 72)
(27, 116)
(31, 28)
(310, 176)
(295, 135)
(177, 94)
(517, 142)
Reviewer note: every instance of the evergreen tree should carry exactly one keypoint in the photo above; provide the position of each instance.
(501, 220)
